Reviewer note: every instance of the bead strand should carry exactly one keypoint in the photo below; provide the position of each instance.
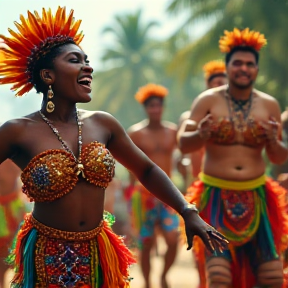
(80, 167)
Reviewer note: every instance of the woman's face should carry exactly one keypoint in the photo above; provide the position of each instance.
(72, 74)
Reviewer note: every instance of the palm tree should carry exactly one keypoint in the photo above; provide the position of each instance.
(269, 17)
(133, 61)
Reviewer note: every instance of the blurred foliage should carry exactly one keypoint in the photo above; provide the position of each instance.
(268, 17)
(134, 60)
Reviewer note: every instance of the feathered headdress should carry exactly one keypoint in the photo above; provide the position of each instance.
(244, 37)
(150, 90)
(214, 68)
(36, 37)
(3, 47)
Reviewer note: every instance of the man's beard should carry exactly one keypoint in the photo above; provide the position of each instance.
(243, 86)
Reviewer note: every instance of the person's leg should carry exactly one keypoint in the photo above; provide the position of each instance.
(171, 239)
(146, 241)
(145, 260)
(270, 274)
(218, 273)
(170, 224)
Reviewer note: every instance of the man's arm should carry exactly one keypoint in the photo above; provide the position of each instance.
(189, 136)
(275, 148)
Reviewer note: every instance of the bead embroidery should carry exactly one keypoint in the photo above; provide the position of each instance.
(80, 166)
(52, 174)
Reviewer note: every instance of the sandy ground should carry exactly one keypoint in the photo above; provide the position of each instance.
(183, 273)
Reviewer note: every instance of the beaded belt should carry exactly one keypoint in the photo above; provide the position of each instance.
(50, 232)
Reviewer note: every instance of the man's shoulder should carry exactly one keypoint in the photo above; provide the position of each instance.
(169, 125)
(212, 93)
(269, 102)
(265, 97)
(137, 128)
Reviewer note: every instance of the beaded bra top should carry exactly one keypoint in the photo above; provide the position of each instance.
(224, 132)
(239, 127)
(55, 172)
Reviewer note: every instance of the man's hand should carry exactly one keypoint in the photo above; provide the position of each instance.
(270, 131)
(205, 127)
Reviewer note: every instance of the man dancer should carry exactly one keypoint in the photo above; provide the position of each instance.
(234, 124)
(157, 139)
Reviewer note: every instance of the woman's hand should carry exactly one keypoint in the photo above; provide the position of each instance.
(195, 225)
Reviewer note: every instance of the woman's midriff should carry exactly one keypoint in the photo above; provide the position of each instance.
(233, 162)
(79, 210)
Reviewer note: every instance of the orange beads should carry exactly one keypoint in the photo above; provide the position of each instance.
(53, 173)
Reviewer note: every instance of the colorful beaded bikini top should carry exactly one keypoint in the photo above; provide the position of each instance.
(239, 127)
(224, 132)
(53, 173)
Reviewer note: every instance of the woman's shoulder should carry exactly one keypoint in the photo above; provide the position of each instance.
(88, 114)
(99, 117)
(18, 124)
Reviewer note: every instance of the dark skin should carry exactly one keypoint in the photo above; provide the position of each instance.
(22, 139)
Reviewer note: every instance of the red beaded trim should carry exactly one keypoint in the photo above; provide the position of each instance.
(40, 261)
(50, 232)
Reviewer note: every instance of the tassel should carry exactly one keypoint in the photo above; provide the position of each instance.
(29, 262)
(115, 258)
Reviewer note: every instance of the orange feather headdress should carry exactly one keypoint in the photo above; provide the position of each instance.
(3, 47)
(213, 68)
(36, 37)
(150, 90)
(244, 37)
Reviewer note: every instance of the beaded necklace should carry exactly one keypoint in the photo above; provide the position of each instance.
(80, 167)
(239, 111)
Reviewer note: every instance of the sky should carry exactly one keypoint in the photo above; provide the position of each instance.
(95, 15)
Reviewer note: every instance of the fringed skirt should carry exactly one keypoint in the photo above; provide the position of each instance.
(146, 212)
(46, 257)
(251, 214)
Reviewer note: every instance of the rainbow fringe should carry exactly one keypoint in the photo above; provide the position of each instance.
(268, 221)
(110, 258)
(141, 202)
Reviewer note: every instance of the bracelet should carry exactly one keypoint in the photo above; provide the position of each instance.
(189, 207)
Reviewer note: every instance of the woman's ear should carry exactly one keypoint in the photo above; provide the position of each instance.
(47, 76)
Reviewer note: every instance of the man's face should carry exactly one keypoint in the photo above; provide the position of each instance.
(242, 69)
(217, 81)
(154, 108)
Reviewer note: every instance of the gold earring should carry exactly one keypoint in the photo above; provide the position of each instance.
(50, 105)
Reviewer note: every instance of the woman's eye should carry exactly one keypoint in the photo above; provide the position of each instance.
(74, 60)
